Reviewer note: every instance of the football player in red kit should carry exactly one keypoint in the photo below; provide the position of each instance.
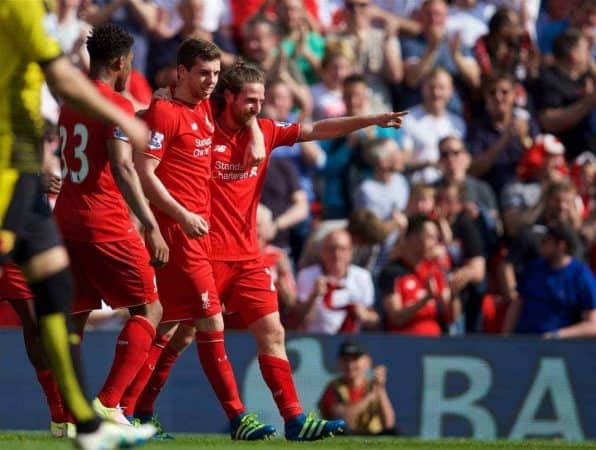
(241, 275)
(175, 172)
(109, 259)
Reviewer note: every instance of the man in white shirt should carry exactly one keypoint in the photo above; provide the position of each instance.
(430, 121)
(336, 296)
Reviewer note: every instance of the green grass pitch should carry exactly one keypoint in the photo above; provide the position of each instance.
(42, 441)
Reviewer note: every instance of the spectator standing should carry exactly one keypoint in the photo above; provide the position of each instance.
(358, 398)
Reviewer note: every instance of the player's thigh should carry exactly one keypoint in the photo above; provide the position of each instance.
(123, 275)
(252, 293)
(29, 217)
(86, 295)
(187, 291)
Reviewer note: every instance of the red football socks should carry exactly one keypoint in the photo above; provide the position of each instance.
(132, 350)
(133, 392)
(146, 401)
(217, 368)
(53, 397)
(277, 373)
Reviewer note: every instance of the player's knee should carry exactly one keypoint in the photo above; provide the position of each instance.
(184, 336)
(271, 335)
(211, 323)
(150, 311)
(53, 294)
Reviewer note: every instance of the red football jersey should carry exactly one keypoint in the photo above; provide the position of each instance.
(181, 138)
(236, 190)
(90, 207)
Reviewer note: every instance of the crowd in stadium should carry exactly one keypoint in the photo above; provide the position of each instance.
(478, 215)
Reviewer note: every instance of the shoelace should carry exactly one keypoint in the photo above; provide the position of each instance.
(251, 421)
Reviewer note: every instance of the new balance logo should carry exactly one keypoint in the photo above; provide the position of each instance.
(220, 148)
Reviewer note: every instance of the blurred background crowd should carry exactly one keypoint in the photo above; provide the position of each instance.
(477, 216)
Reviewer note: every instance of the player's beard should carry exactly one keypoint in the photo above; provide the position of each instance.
(242, 118)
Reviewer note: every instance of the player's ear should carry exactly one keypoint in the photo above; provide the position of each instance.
(119, 63)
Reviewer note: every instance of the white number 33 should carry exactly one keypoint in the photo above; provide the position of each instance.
(76, 176)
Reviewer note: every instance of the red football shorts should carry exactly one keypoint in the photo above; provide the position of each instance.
(13, 285)
(245, 288)
(186, 285)
(116, 272)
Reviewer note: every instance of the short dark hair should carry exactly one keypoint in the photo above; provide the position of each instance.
(108, 42)
(501, 17)
(561, 232)
(564, 43)
(492, 78)
(416, 224)
(191, 49)
(355, 78)
(259, 19)
(233, 79)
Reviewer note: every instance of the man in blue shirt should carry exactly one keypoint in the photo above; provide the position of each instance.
(557, 292)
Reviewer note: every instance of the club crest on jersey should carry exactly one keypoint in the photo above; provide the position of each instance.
(156, 141)
(194, 126)
(283, 124)
(220, 149)
(119, 134)
(206, 303)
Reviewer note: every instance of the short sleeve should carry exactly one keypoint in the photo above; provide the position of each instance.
(160, 122)
(587, 289)
(114, 131)
(387, 281)
(305, 282)
(280, 133)
(31, 31)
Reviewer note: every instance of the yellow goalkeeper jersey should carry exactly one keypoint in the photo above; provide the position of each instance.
(25, 45)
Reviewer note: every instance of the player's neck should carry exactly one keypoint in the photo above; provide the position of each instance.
(228, 124)
(182, 93)
(102, 74)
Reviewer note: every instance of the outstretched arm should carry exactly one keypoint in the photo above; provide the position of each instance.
(340, 126)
